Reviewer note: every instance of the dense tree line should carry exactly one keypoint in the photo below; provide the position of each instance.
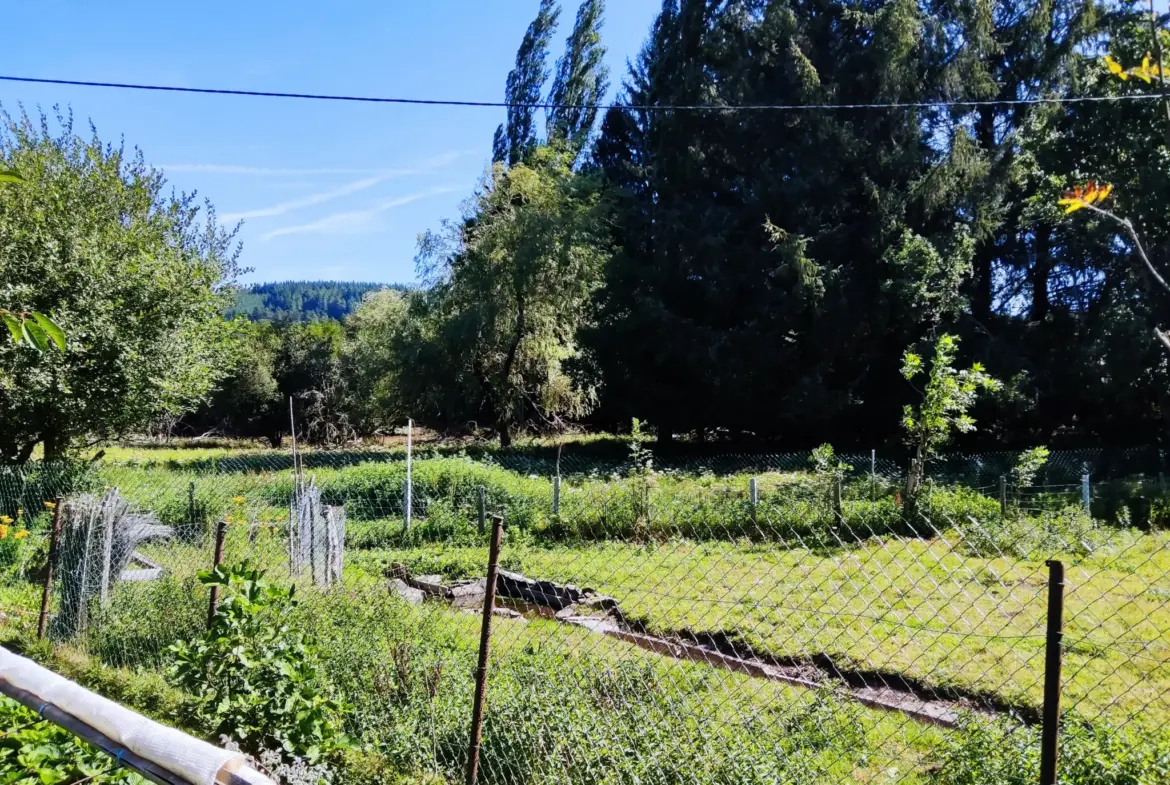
(300, 301)
(761, 272)
(725, 271)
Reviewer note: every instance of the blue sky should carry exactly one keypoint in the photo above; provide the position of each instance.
(325, 190)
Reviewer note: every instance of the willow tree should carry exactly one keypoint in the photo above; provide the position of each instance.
(512, 284)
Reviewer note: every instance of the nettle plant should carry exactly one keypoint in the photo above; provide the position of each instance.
(253, 676)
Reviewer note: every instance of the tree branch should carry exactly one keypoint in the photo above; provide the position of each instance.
(1133, 235)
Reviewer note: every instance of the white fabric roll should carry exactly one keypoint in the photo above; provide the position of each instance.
(191, 759)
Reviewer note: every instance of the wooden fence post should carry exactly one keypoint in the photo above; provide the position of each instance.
(213, 604)
(485, 638)
(482, 509)
(838, 511)
(1003, 496)
(46, 594)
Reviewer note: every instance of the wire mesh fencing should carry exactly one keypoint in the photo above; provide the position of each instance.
(651, 626)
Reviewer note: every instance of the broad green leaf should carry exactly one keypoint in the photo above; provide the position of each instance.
(13, 326)
(10, 176)
(51, 329)
(26, 335)
(36, 335)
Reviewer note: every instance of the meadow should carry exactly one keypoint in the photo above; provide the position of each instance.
(949, 604)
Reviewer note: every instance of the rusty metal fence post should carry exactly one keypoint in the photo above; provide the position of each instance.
(47, 592)
(213, 603)
(1054, 639)
(485, 637)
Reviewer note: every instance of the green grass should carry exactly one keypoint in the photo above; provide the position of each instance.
(922, 609)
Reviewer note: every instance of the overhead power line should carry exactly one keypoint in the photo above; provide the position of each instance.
(637, 107)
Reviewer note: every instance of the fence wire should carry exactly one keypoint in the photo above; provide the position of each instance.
(651, 626)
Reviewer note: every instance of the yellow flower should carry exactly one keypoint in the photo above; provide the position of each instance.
(50, 506)
(20, 535)
(1115, 68)
(3, 531)
(5, 519)
(239, 499)
(19, 513)
(1080, 198)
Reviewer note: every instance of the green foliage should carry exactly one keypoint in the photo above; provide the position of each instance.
(36, 752)
(254, 677)
(374, 363)
(512, 285)
(1028, 465)
(515, 140)
(302, 301)
(581, 80)
(1068, 530)
(947, 396)
(824, 463)
(1008, 753)
(138, 277)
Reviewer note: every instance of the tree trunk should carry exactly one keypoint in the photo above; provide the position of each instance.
(502, 404)
(1041, 269)
(985, 251)
(54, 446)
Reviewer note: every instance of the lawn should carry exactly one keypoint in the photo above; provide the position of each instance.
(918, 608)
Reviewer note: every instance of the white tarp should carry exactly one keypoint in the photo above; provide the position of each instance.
(193, 760)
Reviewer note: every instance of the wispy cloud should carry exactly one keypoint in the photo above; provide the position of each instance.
(355, 220)
(425, 165)
(267, 171)
(304, 201)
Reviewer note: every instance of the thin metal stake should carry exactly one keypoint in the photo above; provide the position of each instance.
(1050, 731)
(46, 594)
(485, 638)
(1003, 496)
(191, 507)
(406, 498)
(1085, 491)
(213, 605)
(482, 509)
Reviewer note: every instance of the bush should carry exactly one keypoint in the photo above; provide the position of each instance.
(1005, 752)
(1069, 531)
(253, 677)
(32, 751)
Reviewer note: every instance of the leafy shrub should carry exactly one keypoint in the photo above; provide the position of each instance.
(1004, 752)
(1068, 531)
(254, 677)
(40, 752)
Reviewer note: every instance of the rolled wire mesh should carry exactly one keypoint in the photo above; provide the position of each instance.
(665, 626)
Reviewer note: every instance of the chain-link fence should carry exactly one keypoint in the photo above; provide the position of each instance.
(650, 626)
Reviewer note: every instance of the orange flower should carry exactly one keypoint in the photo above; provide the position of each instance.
(3, 531)
(1080, 198)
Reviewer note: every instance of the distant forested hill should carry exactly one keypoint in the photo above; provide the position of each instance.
(301, 301)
